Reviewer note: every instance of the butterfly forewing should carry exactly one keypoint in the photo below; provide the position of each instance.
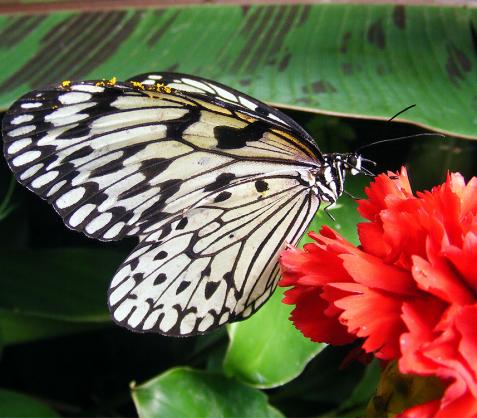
(223, 95)
(213, 183)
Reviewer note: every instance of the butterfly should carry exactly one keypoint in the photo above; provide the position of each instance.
(214, 184)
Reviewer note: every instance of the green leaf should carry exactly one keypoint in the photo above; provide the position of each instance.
(183, 393)
(362, 392)
(61, 284)
(14, 404)
(16, 328)
(6, 207)
(351, 59)
(266, 350)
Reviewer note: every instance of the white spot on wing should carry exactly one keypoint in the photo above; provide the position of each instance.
(70, 198)
(272, 116)
(31, 105)
(118, 294)
(151, 319)
(99, 222)
(114, 230)
(21, 119)
(225, 94)
(198, 84)
(169, 320)
(62, 112)
(80, 214)
(74, 97)
(120, 276)
(206, 323)
(138, 315)
(26, 158)
(44, 179)
(18, 145)
(185, 87)
(67, 120)
(88, 88)
(188, 323)
(22, 130)
(56, 187)
(247, 103)
(31, 171)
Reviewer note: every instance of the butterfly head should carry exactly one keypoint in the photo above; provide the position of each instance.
(329, 179)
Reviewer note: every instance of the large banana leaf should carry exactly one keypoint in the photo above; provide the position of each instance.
(358, 60)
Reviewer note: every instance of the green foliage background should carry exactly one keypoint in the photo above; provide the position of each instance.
(61, 355)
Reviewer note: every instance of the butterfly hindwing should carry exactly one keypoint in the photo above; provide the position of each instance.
(215, 264)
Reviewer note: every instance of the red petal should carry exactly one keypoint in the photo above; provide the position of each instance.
(425, 410)
(380, 190)
(440, 281)
(374, 273)
(468, 196)
(309, 318)
(371, 236)
(372, 315)
(464, 259)
(443, 345)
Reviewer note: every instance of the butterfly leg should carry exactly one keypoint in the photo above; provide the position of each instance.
(325, 209)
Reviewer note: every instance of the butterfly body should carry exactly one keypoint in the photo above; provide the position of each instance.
(213, 183)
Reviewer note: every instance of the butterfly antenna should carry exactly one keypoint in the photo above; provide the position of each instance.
(400, 138)
(401, 111)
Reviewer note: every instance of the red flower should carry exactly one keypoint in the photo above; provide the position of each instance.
(409, 292)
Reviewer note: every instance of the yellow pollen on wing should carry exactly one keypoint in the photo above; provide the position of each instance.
(138, 85)
(162, 88)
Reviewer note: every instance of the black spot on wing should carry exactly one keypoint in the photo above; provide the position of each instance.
(221, 197)
(153, 166)
(206, 272)
(160, 279)
(183, 286)
(176, 127)
(222, 180)
(78, 154)
(210, 289)
(167, 189)
(233, 138)
(261, 186)
(160, 255)
(228, 279)
(108, 168)
(138, 277)
(182, 223)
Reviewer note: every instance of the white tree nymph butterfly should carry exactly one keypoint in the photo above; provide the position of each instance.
(212, 182)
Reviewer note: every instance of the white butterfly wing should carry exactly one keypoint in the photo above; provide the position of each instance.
(220, 92)
(117, 159)
(111, 159)
(215, 264)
